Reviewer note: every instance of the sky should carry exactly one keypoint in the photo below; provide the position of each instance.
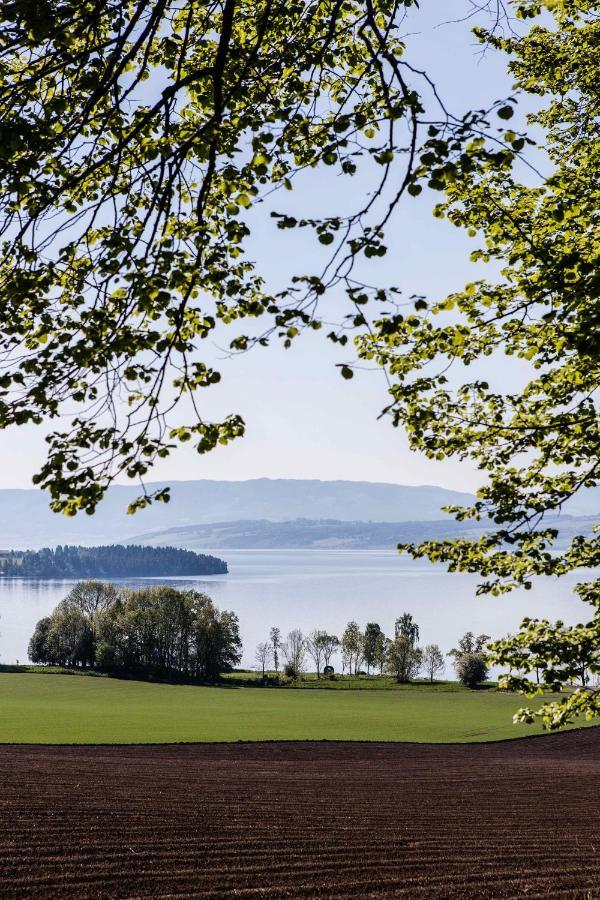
(303, 420)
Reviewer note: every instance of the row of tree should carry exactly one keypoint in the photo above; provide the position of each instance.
(157, 631)
(400, 656)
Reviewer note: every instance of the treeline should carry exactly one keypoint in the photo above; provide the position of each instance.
(114, 561)
(154, 631)
(400, 656)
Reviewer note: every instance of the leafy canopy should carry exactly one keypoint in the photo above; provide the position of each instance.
(136, 141)
(536, 447)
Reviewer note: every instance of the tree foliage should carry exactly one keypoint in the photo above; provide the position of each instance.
(404, 659)
(264, 652)
(314, 647)
(157, 631)
(537, 446)
(93, 597)
(373, 645)
(352, 647)
(114, 561)
(468, 643)
(294, 653)
(406, 626)
(275, 638)
(471, 669)
(138, 139)
(330, 643)
(433, 661)
(320, 647)
(66, 638)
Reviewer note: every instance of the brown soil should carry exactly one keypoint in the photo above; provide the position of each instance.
(514, 819)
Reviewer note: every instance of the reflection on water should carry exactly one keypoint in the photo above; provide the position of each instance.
(322, 589)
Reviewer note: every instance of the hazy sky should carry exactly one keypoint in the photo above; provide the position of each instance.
(303, 420)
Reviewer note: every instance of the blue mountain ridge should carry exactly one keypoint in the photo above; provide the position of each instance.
(26, 520)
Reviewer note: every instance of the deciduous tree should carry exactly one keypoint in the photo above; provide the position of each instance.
(469, 644)
(331, 643)
(539, 445)
(374, 640)
(275, 635)
(433, 661)
(404, 660)
(294, 651)
(38, 651)
(408, 628)
(139, 140)
(69, 639)
(264, 653)
(92, 597)
(382, 655)
(315, 647)
(471, 669)
(352, 646)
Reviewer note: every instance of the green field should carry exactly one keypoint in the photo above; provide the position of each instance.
(66, 709)
(310, 681)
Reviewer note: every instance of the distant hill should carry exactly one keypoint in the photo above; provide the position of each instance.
(301, 534)
(26, 521)
(115, 561)
(326, 534)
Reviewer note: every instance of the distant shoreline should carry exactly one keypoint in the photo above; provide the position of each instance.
(110, 561)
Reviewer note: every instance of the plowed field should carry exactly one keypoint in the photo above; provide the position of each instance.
(513, 819)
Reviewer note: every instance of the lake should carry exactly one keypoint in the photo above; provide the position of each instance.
(323, 589)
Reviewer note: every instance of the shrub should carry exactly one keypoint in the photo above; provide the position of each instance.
(471, 669)
(290, 671)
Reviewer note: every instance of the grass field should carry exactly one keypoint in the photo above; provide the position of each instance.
(245, 678)
(310, 681)
(64, 709)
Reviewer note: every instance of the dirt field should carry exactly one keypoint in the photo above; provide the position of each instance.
(520, 818)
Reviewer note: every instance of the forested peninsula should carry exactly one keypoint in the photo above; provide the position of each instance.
(115, 561)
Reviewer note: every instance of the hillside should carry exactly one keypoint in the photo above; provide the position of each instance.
(325, 534)
(26, 521)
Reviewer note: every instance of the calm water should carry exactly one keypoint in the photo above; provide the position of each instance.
(322, 589)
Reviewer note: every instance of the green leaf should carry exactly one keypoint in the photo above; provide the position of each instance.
(505, 112)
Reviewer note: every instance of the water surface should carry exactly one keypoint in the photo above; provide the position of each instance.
(322, 589)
